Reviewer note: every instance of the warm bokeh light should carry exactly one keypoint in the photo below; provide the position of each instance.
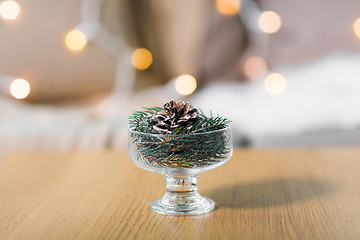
(185, 84)
(20, 88)
(270, 22)
(141, 58)
(275, 83)
(9, 10)
(75, 40)
(255, 67)
(228, 7)
(356, 27)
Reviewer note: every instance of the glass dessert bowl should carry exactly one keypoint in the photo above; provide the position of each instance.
(180, 158)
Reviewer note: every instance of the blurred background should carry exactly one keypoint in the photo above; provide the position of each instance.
(287, 73)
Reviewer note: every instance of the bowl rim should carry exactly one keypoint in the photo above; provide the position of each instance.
(229, 127)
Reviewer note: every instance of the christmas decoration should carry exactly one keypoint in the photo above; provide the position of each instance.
(174, 115)
(169, 136)
(180, 142)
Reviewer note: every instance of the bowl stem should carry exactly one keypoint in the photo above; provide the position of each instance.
(182, 198)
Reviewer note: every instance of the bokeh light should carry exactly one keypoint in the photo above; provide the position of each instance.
(275, 83)
(356, 27)
(228, 7)
(9, 10)
(20, 88)
(75, 40)
(270, 22)
(185, 84)
(141, 58)
(255, 67)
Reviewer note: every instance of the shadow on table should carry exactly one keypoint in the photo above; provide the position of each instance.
(270, 193)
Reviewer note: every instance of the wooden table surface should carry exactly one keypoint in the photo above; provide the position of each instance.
(260, 194)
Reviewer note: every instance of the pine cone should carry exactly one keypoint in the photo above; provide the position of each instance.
(174, 115)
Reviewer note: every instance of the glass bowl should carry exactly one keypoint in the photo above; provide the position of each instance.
(180, 158)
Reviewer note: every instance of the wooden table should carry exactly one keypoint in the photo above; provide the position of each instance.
(260, 194)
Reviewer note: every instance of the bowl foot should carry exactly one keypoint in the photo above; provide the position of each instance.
(200, 205)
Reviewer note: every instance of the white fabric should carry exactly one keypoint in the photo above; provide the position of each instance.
(320, 95)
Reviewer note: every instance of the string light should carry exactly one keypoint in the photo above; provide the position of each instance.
(275, 84)
(20, 88)
(75, 40)
(255, 67)
(185, 84)
(9, 10)
(356, 27)
(228, 7)
(270, 22)
(141, 58)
